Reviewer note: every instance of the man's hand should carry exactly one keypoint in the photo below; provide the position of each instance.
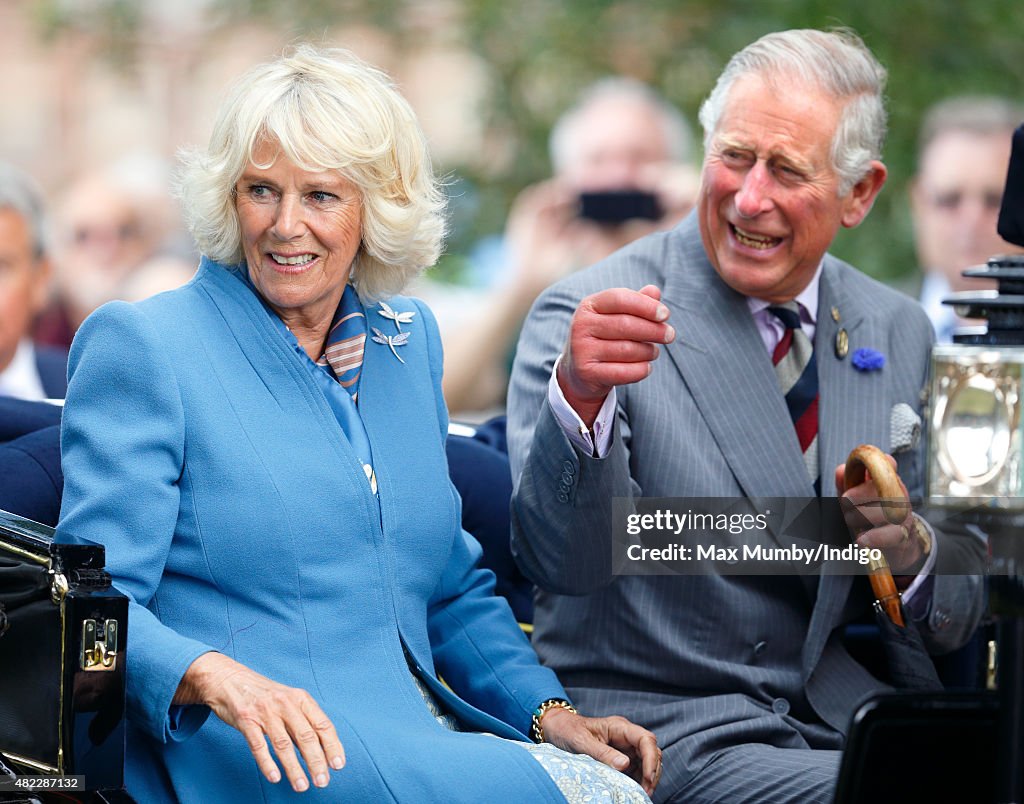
(613, 337)
(547, 239)
(615, 741)
(862, 510)
(262, 709)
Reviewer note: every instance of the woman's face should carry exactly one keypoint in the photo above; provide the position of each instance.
(300, 233)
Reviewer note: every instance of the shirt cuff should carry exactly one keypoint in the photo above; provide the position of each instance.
(595, 442)
(917, 596)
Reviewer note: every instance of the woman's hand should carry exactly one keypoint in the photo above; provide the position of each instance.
(615, 741)
(262, 709)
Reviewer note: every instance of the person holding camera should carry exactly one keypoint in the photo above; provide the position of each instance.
(622, 169)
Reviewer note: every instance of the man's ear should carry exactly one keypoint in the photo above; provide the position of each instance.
(859, 200)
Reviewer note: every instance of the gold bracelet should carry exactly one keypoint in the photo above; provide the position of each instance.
(536, 732)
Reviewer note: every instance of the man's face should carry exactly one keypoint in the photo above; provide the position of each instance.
(106, 233)
(23, 283)
(614, 141)
(769, 203)
(955, 201)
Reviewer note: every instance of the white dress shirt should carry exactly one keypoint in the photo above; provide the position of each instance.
(21, 377)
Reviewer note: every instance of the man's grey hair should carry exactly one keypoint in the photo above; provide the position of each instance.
(20, 193)
(678, 134)
(839, 63)
(983, 115)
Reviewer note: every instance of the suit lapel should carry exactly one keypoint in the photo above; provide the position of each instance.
(741, 403)
(853, 409)
(723, 363)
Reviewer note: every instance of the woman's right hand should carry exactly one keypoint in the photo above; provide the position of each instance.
(260, 709)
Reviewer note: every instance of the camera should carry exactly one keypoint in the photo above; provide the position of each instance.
(611, 207)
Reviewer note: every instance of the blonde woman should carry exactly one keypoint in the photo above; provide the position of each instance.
(273, 494)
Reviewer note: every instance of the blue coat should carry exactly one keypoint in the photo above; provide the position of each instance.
(236, 517)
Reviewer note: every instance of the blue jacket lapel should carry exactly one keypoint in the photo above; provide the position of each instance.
(270, 356)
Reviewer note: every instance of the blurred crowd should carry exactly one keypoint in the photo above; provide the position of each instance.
(112, 233)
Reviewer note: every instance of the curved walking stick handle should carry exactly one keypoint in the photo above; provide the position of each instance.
(861, 460)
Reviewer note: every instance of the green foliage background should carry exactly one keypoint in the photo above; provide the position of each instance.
(540, 54)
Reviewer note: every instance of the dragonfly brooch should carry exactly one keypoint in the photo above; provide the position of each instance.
(392, 315)
(391, 341)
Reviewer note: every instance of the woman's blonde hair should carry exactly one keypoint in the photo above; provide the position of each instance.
(327, 110)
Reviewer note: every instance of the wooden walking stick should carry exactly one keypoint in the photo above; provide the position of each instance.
(867, 458)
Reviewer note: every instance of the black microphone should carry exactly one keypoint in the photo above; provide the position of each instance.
(1011, 213)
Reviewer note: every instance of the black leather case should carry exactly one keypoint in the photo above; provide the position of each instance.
(63, 633)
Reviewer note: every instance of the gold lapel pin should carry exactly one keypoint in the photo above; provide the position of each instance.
(835, 314)
(842, 343)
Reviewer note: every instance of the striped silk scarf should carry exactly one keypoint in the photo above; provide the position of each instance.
(346, 339)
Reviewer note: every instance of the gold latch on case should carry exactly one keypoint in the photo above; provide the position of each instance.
(58, 587)
(99, 645)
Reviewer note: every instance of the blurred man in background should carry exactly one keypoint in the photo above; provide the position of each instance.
(27, 371)
(963, 153)
(623, 167)
(109, 223)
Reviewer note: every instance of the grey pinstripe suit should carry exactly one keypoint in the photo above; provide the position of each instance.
(714, 662)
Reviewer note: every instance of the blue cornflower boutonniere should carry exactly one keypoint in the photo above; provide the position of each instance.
(868, 360)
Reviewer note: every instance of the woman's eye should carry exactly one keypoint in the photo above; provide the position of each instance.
(322, 196)
(259, 191)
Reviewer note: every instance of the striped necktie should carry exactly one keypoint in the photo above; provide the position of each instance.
(346, 339)
(797, 373)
